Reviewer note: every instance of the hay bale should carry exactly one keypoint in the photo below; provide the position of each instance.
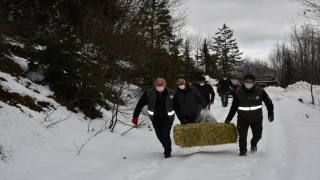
(205, 134)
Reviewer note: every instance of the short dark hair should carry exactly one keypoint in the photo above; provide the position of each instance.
(249, 76)
(202, 78)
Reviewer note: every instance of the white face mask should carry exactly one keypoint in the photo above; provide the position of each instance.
(201, 84)
(224, 78)
(248, 85)
(160, 88)
(182, 87)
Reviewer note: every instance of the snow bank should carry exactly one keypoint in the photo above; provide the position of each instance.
(25, 86)
(298, 91)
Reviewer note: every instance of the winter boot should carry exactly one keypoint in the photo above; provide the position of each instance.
(167, 155)
(243, 153)
(253, 149)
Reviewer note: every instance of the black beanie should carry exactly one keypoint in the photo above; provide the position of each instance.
(202, 78)
(249, 76)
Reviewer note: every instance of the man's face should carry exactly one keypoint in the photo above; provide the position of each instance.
(160, 83)
(249, 81)
(202, 81)
(180, 82)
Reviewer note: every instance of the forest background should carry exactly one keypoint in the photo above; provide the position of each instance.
(88, 52)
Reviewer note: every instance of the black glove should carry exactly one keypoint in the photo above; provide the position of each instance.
(270, 118)
(227, 121)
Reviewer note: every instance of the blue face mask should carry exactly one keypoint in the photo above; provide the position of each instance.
(248, 85)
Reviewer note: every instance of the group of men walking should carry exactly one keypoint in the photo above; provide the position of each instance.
(187, 102)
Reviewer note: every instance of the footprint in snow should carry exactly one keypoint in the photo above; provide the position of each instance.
(273, 171)
(247, 173)
(280, 156)
(137, 176)
(155, 164)
(131, 170)
(285, 151)
(284, 139)
(255, 160)
(151, 168)
(285, 142)
(278, 98)
(243, 165)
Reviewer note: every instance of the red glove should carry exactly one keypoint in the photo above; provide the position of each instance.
(135, 121)
(184, 121)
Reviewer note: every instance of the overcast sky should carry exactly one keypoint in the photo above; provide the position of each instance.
(256, 24)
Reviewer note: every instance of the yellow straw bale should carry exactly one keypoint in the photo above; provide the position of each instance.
(204, 134)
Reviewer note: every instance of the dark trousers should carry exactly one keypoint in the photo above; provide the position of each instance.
(243, 127)
(162, 129)
(224, 97)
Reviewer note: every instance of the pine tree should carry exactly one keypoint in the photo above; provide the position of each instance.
(175, 64)
(186, 55)
(225, 49)
(58, 54)
(205, 56)
(157, 32)
(19, 19)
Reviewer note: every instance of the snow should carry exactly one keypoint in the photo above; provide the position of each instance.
(13, 42)
(21, 61)
(289, 148)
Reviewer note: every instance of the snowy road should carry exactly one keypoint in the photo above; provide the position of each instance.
(289, 148)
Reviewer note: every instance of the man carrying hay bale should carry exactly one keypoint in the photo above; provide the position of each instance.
(162, 106)
(189, 98)
(247, 102)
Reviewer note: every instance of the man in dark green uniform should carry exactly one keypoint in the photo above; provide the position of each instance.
(162, 107)
(247, 102)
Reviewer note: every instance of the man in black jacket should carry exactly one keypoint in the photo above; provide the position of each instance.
(189, 98)
(206, 91)
(162, 106)
(247, 102)
(225, 85)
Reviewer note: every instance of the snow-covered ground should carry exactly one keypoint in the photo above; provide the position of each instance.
(288, 150)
